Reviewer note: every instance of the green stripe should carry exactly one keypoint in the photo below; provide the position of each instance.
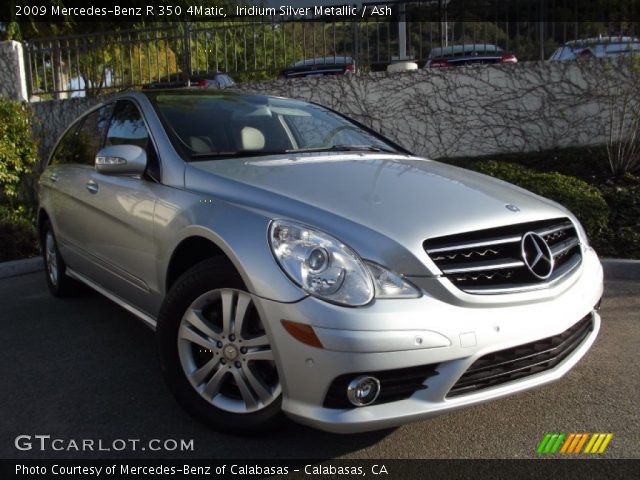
(544, 441)
(558, 443)
(550, 443)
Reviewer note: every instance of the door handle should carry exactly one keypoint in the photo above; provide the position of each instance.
(92, 186)
(53, 177)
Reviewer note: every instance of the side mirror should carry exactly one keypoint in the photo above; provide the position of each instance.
(121, 160)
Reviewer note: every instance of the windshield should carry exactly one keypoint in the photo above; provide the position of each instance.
(230, 125)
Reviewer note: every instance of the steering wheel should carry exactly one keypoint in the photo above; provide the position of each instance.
(333, 133)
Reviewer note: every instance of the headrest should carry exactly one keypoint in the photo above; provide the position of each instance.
(252, 139)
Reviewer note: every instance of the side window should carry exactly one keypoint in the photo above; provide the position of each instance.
(66, 147)
(83, 140)
(90, 135)
(128, 128)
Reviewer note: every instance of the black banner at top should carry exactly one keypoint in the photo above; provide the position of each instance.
(147, 11)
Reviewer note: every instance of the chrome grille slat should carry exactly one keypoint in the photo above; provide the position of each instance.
(563, 247)
(482, 266)
(486, 243)
(558, 228)
(565, 270)
(491, 261)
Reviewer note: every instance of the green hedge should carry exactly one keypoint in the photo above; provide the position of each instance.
(623, 239)
(18, 151)
(582, 199)
(18, 236)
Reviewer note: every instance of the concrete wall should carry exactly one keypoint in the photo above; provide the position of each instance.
(13, 82)
(446, 113)
(475, 110)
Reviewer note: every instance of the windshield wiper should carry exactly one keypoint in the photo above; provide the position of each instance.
(259, 153)
(236, 154)
(344, 148)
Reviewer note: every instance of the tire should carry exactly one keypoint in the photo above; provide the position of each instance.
(217, 362)
(60, 285)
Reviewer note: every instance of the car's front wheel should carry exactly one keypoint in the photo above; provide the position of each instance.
(216, 356)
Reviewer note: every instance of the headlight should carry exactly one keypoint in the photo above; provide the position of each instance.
(326, 268)
(391, 285)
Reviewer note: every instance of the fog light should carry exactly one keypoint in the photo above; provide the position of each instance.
(363, 390)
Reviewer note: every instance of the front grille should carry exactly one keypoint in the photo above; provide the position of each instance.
(397, 384)
(521, 361)
(491, 261)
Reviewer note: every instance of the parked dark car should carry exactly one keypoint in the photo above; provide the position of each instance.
(331, 65)
(468, 54)
(196, 79)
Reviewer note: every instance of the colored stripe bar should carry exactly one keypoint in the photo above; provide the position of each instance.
(595, 448)
(591, 443)
(567, 443)
(554, 449)
(582, 441)
(550, 443)
(575, 442)
(606, 442)
(543, 443)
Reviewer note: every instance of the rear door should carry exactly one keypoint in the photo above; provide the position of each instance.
(65, 183)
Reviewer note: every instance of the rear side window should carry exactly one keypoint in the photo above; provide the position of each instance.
(83, 140)
(127, 127)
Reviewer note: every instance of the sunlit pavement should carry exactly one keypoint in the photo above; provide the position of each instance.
(83, 368)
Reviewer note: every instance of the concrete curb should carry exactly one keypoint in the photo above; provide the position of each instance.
(20, 267)
(620, 269)
(614, 268)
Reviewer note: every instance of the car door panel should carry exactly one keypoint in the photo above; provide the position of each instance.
(118, 217)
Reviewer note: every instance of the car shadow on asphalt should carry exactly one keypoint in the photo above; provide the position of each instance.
(90, 370)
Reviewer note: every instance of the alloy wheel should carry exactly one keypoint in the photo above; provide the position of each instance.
(51, 258)
(225, 353)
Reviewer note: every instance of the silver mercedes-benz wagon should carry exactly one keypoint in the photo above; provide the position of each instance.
(294, 262)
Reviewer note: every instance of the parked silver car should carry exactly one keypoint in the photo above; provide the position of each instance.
(597, 47)
(294, 262)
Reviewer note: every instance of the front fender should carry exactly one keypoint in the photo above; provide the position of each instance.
(238, 232)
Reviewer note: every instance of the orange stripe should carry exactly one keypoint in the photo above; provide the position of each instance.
(584, 439)
(575, 442)
(567, 442)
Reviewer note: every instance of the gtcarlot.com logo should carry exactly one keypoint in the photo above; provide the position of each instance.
(45, 443)
(574, 443)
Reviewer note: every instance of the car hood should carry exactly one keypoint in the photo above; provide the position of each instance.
(407, 199)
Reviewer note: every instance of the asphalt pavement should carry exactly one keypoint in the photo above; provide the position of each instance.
(83, 368)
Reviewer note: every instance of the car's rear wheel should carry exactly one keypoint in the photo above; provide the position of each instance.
(216, 355)
(55, 268)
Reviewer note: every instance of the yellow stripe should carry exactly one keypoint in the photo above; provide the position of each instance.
(594, 437)
(584, 439)
(606, 442)
(575, 442)
(567, 442)
(595, 448)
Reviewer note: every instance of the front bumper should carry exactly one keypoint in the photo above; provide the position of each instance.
(397, 334)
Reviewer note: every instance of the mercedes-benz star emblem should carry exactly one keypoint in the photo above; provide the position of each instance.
(537, 255)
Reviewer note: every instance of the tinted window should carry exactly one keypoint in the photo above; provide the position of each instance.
(224, 125)
(81, 143)
(128, 128)
(65, 150)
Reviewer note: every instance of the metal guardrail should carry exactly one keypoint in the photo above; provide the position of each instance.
(255, 48)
